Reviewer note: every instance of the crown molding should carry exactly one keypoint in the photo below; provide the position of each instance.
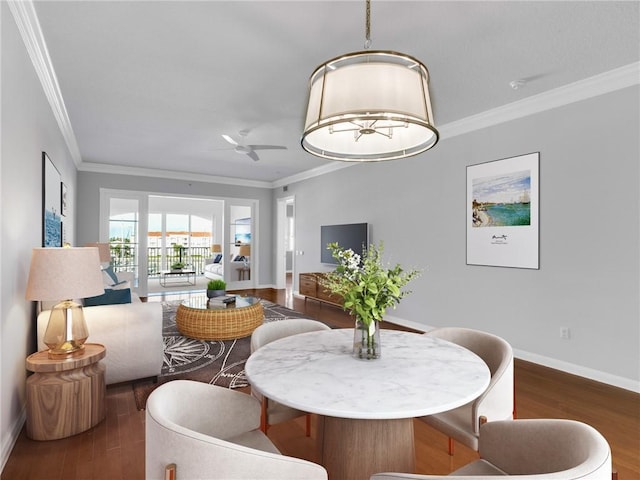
(332, 166)
(607, 82)
(170, 174)
(597, 85)
(26, 19)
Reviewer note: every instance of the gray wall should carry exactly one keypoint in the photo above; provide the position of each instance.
(589, 249)
(89, 206)
(27, 128)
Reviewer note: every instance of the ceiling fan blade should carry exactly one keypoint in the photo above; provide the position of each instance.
(230, 140)
(267, 147)
(253, 156)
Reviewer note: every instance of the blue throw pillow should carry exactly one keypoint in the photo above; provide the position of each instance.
(109, 297)
(218, 258)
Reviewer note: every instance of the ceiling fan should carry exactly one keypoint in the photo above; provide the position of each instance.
(249, 150)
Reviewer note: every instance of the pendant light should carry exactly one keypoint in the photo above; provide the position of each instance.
(369, 106)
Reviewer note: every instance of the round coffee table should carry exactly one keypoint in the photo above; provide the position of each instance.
(214, 320)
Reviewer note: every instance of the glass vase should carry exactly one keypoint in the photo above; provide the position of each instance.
(366, 340)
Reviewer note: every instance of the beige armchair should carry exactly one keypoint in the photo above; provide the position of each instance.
(274, 412)
(532, 449)
(211, 432)
(496, 403)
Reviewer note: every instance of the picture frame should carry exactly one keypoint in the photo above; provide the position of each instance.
(63, 199)
(502, 212)
(51, 204)
(242, 238)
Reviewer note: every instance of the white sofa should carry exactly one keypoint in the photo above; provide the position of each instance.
(131, 334)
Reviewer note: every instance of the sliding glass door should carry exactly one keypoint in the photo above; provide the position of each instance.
(125, 230)
(151, 233)
(179, 241)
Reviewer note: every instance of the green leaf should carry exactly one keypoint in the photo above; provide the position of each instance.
(394, 290)
(369, 287)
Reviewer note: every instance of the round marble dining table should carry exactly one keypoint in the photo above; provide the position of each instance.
(366, 407)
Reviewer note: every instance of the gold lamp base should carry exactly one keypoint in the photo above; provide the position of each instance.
(67, 330)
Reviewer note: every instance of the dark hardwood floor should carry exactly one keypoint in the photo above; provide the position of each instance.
(114, 449)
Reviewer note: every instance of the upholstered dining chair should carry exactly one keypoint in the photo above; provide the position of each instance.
(497, 401)
(208, 432)
(532, 449)
(274, 412)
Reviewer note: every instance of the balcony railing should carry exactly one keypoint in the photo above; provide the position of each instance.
(123, 258)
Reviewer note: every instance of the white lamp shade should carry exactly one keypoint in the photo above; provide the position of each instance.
(64, 273)
(104, 250)
(369, 106)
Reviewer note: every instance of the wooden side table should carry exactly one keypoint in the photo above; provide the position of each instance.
(65, 396)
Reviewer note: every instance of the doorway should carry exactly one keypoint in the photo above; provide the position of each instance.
(285, 245)
(155, 233)
(180, 236)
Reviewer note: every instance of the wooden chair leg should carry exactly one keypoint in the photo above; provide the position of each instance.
(308, 415)
(170, 472)
(263, 416)
(614, 475)
(481, 421)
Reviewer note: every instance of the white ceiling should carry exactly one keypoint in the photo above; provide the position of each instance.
(154, 84)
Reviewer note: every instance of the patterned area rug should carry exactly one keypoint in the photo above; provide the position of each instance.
(215, 362)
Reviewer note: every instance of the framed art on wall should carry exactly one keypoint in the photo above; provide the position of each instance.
(63, 199)
(502, 214)
(51, 204)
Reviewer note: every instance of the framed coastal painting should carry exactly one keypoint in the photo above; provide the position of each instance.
(503, 212)
(51, 204)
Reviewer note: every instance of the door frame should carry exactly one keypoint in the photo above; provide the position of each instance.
(281, 244)
(141, 286)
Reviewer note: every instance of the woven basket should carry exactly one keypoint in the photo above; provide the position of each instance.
(219, 324)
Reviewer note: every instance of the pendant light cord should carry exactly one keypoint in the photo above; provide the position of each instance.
(367, 42)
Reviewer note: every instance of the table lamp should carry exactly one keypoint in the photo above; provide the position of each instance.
(245, 251)
(63, 274)
(216, 248)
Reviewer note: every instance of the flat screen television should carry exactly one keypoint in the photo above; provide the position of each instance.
(354, 236)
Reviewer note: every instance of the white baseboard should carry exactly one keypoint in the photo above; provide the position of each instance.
(567, 367)
(10, 440)
(421, 327)
(579, 370)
